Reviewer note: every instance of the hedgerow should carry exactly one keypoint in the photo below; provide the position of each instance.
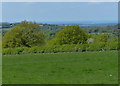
(96, 46)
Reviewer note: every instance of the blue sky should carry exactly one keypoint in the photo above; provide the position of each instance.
(59, 11)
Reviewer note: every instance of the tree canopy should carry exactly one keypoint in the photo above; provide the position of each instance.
(24, 34)
(72, 35)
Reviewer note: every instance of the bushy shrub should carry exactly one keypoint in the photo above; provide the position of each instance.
(81, 47)
(96, 46)
(112, 45)
(18, 50)
(26, 34)
(51, 48)
(68, 48)
(71, 35)
(6, 51)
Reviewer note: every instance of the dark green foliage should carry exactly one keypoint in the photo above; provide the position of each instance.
(24, 34)
(71, 35)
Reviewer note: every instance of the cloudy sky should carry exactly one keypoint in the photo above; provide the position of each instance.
(59, 11)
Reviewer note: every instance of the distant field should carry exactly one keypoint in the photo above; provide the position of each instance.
(6, 28)
(61, 68)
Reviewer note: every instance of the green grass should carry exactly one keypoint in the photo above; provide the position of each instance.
(61, 68)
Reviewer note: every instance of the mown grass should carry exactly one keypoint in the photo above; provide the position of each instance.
(61, 68)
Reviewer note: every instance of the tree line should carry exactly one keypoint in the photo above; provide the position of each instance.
(71, 38)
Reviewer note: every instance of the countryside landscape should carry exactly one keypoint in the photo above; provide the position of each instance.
(52, 45)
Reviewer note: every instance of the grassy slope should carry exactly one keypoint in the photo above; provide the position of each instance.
(62, 68)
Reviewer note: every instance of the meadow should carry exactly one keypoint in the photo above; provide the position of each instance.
(61, 68)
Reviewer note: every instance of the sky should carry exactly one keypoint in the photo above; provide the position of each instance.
(59, 11)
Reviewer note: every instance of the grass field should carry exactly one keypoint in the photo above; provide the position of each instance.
(61, 68)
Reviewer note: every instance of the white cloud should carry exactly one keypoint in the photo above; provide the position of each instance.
(60, 0)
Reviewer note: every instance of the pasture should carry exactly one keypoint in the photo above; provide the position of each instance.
(61, 68)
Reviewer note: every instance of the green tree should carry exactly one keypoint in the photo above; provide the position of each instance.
(24, 34)
(104, 37)
(72, 35)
